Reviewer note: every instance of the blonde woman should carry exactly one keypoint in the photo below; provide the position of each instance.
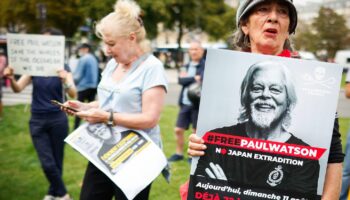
(131, 92)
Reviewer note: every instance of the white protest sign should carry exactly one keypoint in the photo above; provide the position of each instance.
(36, 55)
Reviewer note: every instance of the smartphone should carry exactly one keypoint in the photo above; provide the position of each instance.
(57, 103)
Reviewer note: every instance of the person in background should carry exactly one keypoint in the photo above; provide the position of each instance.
(86, 76)
(188, 114)
(48, 124)
(131, 92)
(264, 27)
(3, 64)
(344, 194)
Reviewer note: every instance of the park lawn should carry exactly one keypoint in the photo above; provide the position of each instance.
(343, 80)
(22, 177)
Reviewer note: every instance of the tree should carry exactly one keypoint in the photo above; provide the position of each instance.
(152, 12)
(93, 11)
(304, 38)
(331, 31)
(24, 15)
(66, 15)
(218, 19)
(9, 11)
(328, 32)
(32, 16)
(211, 16)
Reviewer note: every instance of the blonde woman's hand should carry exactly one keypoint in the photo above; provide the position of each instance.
(94, 115)
(196, 145)
(77, 105)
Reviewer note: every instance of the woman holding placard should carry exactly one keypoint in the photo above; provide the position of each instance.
(48, 125)
(264, 27)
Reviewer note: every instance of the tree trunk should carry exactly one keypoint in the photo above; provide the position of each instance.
(179, 56)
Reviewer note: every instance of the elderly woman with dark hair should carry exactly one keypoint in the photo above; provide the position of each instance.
(264, 27)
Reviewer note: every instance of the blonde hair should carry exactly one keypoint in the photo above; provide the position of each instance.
(124, 20)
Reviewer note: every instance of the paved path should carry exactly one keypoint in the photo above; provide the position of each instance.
(10, 98)
(343, 105)
(173, 88)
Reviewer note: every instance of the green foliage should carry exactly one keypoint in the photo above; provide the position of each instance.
(304, 38)
(332, 31)
(95, 10)
(343, 78)
(327, 32)
(153, 12)
(212, 16)
(9, 12)
(65, 14)
(19, 15)
(344, 128)
(220, 23)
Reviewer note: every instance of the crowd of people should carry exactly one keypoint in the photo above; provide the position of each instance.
(130, 92)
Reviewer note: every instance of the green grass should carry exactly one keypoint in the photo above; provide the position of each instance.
(344, 127)
(23, 179)
(343, 80)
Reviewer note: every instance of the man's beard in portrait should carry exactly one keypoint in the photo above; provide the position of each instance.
(264, 114)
